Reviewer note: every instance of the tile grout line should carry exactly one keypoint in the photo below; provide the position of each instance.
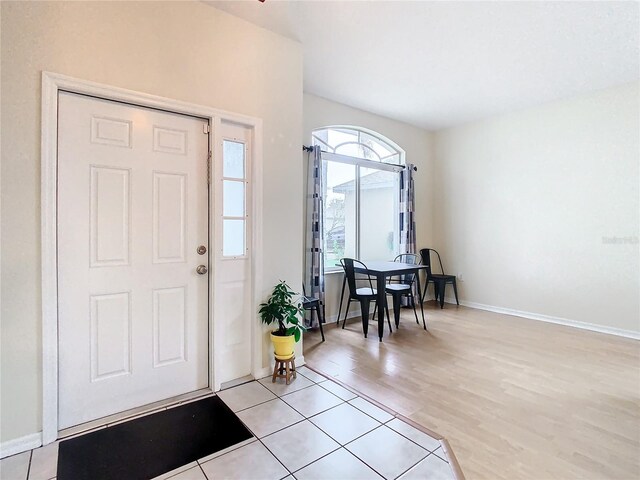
(345, 447)
(201, 469)
(280, 429)
(419, 461)
(304, 417)
(311, 379)
(258, 382)
(269, 434)
(327, 410)
(452, 462)
(410, 439)
(443, 459)
(274, 456)
(317, 459)
(313, 384)
(369, 415)
(305, 388)
(354, 406)
(375, 403)
(276, 396)
(370, 431)
(261, 403)
(322, 386)
(232, 448)
(340, 445)
(29, 466)
(318, 413)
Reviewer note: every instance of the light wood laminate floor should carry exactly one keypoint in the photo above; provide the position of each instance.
(516, 398)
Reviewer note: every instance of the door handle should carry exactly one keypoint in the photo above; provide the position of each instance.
(201, 269)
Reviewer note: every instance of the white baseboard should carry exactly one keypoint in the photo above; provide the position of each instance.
(550, 319)
(263, 372)
(19, 445)
(352, 314)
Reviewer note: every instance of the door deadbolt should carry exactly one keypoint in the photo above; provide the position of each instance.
(201, 250)
(201, 269)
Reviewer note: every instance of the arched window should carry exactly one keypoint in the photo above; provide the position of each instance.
(358, 142)
(361, 190)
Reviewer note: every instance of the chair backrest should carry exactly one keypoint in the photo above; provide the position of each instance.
(410, 258)
(349, 265)
(425, 254)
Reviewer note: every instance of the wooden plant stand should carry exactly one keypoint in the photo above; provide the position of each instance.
(285, 368)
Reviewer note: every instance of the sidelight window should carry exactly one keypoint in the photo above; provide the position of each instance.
(234, 208)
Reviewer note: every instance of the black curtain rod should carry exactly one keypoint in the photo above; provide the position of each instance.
(310, 149)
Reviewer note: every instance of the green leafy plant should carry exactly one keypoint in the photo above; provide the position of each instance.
(281, 308)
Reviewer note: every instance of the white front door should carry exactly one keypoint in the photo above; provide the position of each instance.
(132, 214)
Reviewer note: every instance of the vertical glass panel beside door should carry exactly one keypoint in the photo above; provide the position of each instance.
(233, 237)
(233, 159)
(234, 209)
(233, 198)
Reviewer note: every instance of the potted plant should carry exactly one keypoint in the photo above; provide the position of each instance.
(281, 309)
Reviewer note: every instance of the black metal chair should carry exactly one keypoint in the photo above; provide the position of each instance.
(364, 295)
(402, 286)
(313, 304)
(439, 280)
(362, 278)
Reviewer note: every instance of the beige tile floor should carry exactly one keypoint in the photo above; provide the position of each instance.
(311, 429)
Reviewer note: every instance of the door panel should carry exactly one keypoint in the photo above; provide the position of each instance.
(169, 326)
(169, 217)
(110, 335)
(132, 210)
(109, 216)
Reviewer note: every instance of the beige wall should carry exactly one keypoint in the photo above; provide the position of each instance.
(526, 201)
(416, 142)
(184, 50)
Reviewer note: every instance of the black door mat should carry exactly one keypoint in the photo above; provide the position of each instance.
(150, 446)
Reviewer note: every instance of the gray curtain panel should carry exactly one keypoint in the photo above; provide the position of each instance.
(406, 216)
(314, 261)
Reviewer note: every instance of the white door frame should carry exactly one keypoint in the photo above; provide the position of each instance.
(52, 83)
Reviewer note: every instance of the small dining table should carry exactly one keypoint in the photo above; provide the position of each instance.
(382, 270)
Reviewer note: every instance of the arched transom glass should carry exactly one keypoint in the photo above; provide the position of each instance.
(357, 143)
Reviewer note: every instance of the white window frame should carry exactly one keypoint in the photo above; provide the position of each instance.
(362, 163)
(245, 180)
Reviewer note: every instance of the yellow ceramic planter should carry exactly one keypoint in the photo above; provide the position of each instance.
(283, 346)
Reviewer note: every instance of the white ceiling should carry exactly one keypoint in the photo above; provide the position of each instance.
(438, 64)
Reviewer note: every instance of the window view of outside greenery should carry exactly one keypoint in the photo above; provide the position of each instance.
(376, 205)
(339, 213)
